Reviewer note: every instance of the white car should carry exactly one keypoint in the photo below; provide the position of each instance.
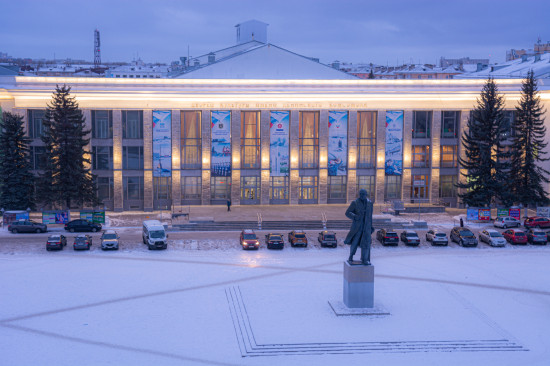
(492, 237)
(437, 237)
(506, 222)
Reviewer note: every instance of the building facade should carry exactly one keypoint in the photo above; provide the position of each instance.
(160, 143)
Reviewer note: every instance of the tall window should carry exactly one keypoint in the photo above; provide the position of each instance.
(336, 187)
(449, 157)
(308, 188)
(447, 188)
(162, 188)
(421, 156)
(309, 140)
(279, 188)
(393, 187)
(133, 188)
(191, 140)
(102, 157)
(191, 188)
(366, 139)
(38, 157)
(449, 124)
(419, 188)
(105, 188)
(220, 188)
(367, 182)
(132, 157)
(250, 188)
(36, 126)
(132, 124)
(250, 140)
(102, 124)
(422, 124)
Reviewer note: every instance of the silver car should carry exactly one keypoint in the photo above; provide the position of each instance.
(492, 237)
(437, 237)
(109, 240)
(506, 222)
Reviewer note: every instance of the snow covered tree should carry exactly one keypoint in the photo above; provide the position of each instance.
(66, 179)
(486, 162)
(16, 178)
(527, 175)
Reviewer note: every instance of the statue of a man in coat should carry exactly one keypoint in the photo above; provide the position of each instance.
(360, 211)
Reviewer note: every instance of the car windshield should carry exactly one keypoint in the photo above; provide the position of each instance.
(329, 237)
(441, 235)
(391, 234)
(80, 240)
(466, 233)
(275, 237)
(539, 233)
(249, 236)
(520, 234)
(157, 234)
(411, 235)
(109, 236)
(54, 238)
(33, 222)
(495, 235)
(299, 236)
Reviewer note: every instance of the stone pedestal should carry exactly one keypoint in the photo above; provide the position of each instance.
(358, 286)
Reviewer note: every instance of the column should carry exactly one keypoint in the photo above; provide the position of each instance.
(87, 114)
(176, 157)
(236, 157)
(117, 161)
(464, 115)
(323, 156)
(206, 147)
(380, 155)
(436, 156)
(265, 120)
(294, 133)
(352, 157)
(148, 160)
(406, 183)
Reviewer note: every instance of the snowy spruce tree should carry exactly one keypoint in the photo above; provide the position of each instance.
(66, 180)
(486, 163)
(16, 178)
(527, 176)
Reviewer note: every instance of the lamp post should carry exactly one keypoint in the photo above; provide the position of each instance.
(2, 210)
(29, 213)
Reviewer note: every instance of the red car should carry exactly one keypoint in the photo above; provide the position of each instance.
(537, 222)
(515, 236)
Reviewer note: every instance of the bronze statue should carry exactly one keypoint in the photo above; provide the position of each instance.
(360, 211)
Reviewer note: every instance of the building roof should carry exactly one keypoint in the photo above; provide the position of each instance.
(540, 64)
(6, 71)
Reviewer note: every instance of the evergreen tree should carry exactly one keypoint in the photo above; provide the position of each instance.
(486, 161)
(527, 175)
(16, 177)
(65, 177)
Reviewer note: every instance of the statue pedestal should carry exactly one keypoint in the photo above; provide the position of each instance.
(358, 286)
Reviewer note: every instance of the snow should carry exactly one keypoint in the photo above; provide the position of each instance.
(206, 302)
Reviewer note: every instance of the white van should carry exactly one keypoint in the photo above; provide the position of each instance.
(154, 235)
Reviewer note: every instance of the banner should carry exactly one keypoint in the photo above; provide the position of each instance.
(55, 217)
(221, 144)
(543, 211)
(514, 212)
(162, 143)
(394, 143)
(478, 214)
(337, 143)
(279, 148)
(97, 217)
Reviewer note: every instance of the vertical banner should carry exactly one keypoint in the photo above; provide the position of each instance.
(162, 143)
(337, 143)
(394, 143)
(221, 144)
(279, 148)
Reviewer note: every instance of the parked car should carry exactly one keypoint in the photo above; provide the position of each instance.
(274, 241)
(506, 222)
(82, 225)
(27, 226)
(437, 237)
(463, 236)
(82, 242)
(109, 240)
(387, 237)
(249, 240)
(515, 236)
(297, 238)
(537, 221)
(410, 237)
(492, 237)
(56, 242)
(535, 236)
(154, 235)
(327, 239)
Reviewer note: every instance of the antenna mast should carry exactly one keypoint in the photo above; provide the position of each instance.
(97, 52)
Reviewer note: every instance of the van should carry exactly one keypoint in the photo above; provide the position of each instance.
(154, 235)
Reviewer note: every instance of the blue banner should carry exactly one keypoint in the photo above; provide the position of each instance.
(279, 148)
(162, 143)
(221, 143)
(337, 143)
(394, 143)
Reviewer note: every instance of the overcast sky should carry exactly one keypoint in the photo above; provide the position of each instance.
(382, 32)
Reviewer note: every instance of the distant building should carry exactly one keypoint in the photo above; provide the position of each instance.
(538, 63)
(420, 71)
(138, 70)
(445, 62)
(538, 48)
(251, 30)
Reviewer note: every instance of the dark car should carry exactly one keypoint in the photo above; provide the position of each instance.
(297, 238)
(515, 236)
(437, 237)
(387, 237)
(535, 236)
(27, 226)
(410, 237)
(249, 240)
(274, 241)
(537, 222)
(82, 225)
(56, 242)
(327, 239)
(82, 242)
(463, 236)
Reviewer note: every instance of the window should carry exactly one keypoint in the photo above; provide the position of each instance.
(133, 188)
(279, 188)
(38, 157)
(422, 124)
(308, 188)
(449, 124)
(132, 124)
(250, 140)
(449, 158)
(102, 124)
(336, 187)
(102, 157)
(105, 188)
(36, 126)
(447, 186)
(421, 156)
(191, 188)
(309, 140)
(162, 188)
(250, 188)
(132, 157)
(508, 124)
(366, 139)
(419, 188)
(367, 182)
(220, 188)
(191, 140)
(393, 187)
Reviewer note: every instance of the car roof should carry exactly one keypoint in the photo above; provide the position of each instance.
(54, 236)
(492, 231)
(275, 234)
(109, 232)
(81, 236)
(517, 230)
(248, 231)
